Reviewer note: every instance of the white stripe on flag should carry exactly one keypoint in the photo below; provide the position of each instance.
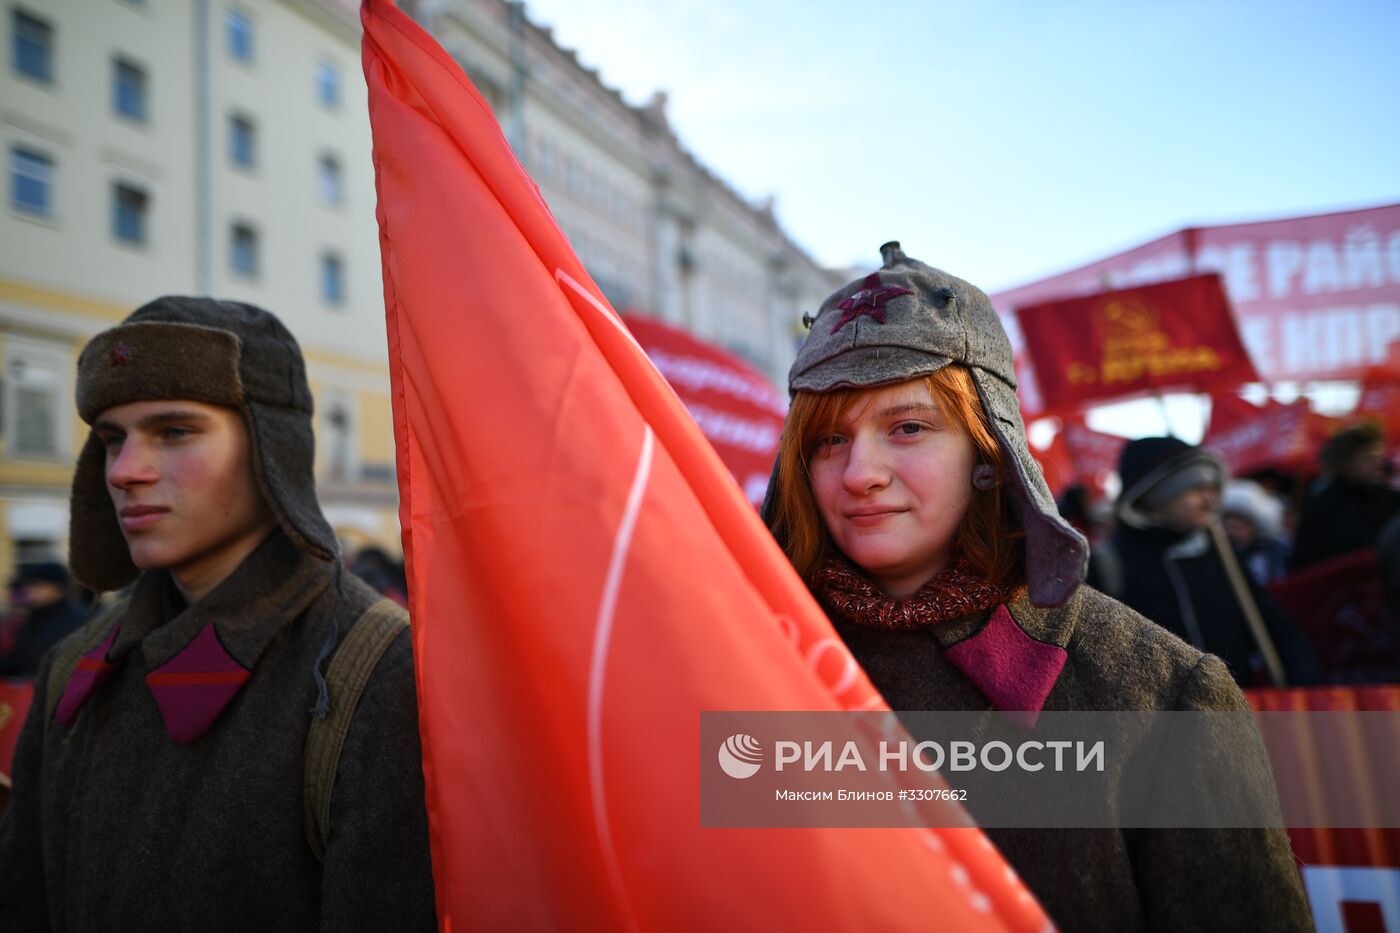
(602, 636)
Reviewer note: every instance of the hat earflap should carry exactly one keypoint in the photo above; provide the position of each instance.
(98, 555)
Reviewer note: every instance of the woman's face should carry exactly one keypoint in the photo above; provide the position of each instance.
(892, 483)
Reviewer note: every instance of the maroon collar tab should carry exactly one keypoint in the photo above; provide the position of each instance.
(1015, 671)
(194, 687)
(92, 672)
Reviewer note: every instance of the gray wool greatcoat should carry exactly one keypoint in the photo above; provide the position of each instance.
(116, 826)
(1107, 879)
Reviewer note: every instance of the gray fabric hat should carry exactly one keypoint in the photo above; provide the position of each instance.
(1155, 470)
(216, 352)
(909, 320)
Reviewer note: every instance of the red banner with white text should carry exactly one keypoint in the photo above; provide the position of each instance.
(1249, 437)
(1126, 342)
(740, 412)
(1315, 297)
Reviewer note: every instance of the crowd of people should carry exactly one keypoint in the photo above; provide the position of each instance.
(228, 738)
(1200, 553)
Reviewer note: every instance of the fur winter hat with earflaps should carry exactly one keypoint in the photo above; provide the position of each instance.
(909, 320)
(216, 352)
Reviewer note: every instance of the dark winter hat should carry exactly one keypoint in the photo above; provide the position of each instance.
(216, 352)
(41, 571)
(1155, 470)
(909, 320)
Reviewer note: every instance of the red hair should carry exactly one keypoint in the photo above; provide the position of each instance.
(988, 535)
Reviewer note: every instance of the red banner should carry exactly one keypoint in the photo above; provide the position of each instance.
(1340, 605)
(1315, 297)
(739, 410)
(1352, 876)
(1056, 464)
(1079, 454)
(1095, 454)
(1129, 341)
(585, 578)
(15, 696)
(1380, 403)
(1250, 438)
(1277, 436)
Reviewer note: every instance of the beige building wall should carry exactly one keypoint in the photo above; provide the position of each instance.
(660, 233)
(64, 274)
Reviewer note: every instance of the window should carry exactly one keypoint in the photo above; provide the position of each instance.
(238, 34)
(129, 90)
(242, 141)
(31, 181)
(332, 190)
(33, 46)
(332, 279)
(328, 85)
(336, 435)
(36, 376)
(129, 209)
(243, 251)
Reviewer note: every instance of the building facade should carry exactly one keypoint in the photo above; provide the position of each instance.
(661, 234)
(223, 147)
(186, 147)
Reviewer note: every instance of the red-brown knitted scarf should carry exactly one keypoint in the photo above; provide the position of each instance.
(955, 591)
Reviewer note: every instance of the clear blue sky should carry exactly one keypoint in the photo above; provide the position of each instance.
(1005, 141)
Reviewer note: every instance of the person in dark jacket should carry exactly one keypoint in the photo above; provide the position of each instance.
(49, 614)
(163, 779)
(906, 497)
(1179, 569)
(1352, 501)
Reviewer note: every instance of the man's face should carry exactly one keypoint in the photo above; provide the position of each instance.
(36, 594)
(1192, 509)
(181, 478)
(1366, 466)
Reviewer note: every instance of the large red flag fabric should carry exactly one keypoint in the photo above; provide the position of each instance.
(1130, 341)
(586, 578)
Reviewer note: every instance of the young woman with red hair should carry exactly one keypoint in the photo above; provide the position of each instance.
(906, 497)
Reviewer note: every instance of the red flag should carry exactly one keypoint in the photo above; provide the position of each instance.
(1135, 340)
(1094, 453)
(15, 697)
(1079, 454)
(586, 578)
(1250, 438)
(1057, 464)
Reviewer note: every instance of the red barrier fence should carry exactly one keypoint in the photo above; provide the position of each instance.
(1352, 876)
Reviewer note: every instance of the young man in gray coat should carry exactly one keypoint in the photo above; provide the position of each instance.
(193, 759)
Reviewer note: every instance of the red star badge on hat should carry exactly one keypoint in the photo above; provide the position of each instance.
(870, 299)
(121, 354)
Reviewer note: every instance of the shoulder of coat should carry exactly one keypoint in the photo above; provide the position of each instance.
(1127, 655)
